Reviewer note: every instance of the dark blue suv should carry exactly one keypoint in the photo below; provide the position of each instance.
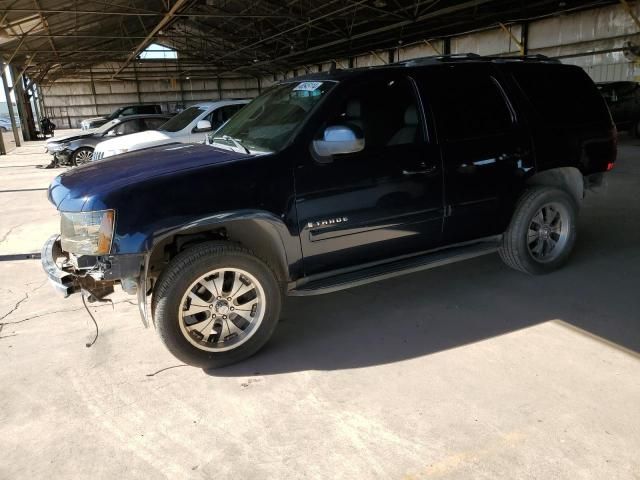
(331, 181)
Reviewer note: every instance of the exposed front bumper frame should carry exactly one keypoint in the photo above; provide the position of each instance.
(65, 283)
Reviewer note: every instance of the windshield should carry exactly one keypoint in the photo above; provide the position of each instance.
(183, 119)
(116, 113)
(266, 124)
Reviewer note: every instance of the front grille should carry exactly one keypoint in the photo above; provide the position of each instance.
(97, 155)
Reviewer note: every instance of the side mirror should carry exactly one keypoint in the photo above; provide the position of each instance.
(338, 139)
(202, 126)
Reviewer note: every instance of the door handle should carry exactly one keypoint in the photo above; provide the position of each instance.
(424, 170)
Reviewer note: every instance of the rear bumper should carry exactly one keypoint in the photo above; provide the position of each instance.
(63, 282)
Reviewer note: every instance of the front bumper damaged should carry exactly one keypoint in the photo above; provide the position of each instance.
(63, 281)
(97, 276)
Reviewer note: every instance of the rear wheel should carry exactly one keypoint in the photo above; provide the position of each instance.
(82, 156)
(542, 231)
(635, 129)
(216, 304)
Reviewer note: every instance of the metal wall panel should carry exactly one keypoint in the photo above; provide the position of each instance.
(591, 39)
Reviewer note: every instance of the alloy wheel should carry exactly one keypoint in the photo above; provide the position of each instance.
(83, 156)
(548, 232)
(222, 309)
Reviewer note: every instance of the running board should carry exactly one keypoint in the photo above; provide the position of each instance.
(393, 269)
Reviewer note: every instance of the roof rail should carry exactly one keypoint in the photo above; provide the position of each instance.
(475, 57)
(441, 58)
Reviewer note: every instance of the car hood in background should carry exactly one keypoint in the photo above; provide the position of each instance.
(70, 138)
(81, 188)
(136, 141)
(94, 119)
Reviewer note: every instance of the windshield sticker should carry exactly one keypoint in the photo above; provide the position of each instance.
(307, 86)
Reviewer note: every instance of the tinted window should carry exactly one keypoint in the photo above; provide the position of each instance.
(183, 119)
(385, 111)
(128, 111)
(228, 111)
(153, 123)
(560, 94)
(467, 103)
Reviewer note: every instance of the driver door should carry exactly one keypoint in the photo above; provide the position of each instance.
(381, 202)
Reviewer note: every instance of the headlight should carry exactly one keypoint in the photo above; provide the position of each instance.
(87, 233)
(55, 147)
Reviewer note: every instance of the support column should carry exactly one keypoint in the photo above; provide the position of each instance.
(22, 107)
(524, 35)
(3, 149)
(446, 46)
(34, 96)
(12, 116)
(43, 110)
(93, 92)
(135, 75)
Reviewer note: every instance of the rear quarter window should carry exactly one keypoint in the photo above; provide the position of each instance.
(561, 95)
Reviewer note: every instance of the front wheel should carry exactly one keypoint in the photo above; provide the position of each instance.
(542, 232)
(81, 156)
(216, 304)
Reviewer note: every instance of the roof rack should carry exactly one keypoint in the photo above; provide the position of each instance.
(477, 58)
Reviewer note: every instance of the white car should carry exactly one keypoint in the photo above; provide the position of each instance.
(190, 126)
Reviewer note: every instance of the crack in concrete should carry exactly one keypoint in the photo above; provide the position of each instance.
(4, 237)
(60, 311)
(164, 369)
(15, 307)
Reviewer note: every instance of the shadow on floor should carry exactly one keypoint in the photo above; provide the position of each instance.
(451, 306)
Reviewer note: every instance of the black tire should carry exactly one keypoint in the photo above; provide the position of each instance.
(3, 130)
(176, 280)
(79, 156)
(635, 129)
(516, 251)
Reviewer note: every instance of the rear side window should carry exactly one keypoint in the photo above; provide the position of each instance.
(561, 95)
(467, 103)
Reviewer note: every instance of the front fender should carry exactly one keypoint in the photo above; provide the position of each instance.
(262, 232)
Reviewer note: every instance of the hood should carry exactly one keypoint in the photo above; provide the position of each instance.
(136, 141)
(94, 119)
(70, 138)
(81, 188)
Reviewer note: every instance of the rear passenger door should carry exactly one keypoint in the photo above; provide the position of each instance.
(485, 148)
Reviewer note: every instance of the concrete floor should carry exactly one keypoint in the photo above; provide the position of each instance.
(467, 371)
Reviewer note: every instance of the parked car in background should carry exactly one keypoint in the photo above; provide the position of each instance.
(77, 149)
(623, 99)
(120, 112)
(190, 125)
(5, 123)
(331, 181)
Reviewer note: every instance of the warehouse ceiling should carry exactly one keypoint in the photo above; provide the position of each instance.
(54, 39)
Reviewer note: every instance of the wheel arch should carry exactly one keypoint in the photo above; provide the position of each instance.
(569, 179)
(261, 232)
